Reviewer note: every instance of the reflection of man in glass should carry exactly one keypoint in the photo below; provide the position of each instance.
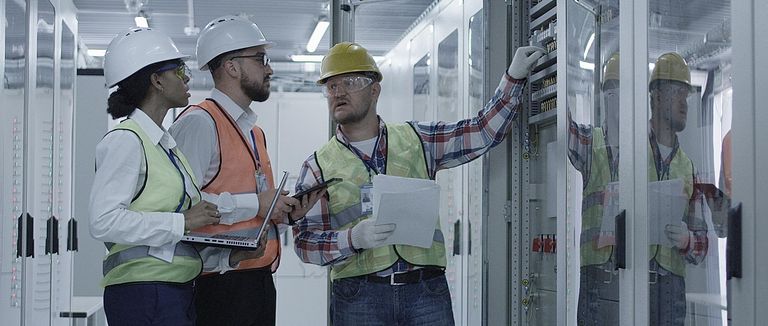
(669, 88)
(594, 152)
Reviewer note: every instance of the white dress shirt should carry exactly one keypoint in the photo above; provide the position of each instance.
(120, 173)
(196, 135)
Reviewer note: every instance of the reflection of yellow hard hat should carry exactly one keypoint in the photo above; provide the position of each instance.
(347, 57)
(671, 66)
(611, 68)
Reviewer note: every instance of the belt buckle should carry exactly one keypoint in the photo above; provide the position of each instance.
(392, 280)
(655, 278)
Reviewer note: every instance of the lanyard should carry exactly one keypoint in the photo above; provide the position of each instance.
(183, 181)
(370, 164)
(613, 164)
(256, 152)
(662, 166)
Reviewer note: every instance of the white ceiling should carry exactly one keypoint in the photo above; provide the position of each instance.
(288, 23)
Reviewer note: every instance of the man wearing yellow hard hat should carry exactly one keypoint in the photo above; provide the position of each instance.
(594, 152)
(375, 283)
(669, 88)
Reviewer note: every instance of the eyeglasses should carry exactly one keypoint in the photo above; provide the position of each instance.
(349, 84)
(261, 57)
(181, 70)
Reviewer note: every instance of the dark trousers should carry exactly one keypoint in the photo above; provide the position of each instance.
(599, 296)
(358, 302)
(149, 304)
(236, 298)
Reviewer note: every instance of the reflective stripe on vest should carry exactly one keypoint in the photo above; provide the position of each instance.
(161, 193)
(592, 208)
(237, 174)
(405, 158)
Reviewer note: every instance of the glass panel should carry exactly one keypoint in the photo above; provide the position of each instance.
(421, 109)
(538, 296)
(40, 165)
(593, 151)
(13, 67)
(689, 58)
(450, 180)
(61, 262)
(475, 190)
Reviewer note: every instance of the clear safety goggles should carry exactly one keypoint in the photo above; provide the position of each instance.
(181, 70)
(348, 84)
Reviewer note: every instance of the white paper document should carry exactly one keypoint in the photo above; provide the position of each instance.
(667, 202)
(611, 209)
(411, 204)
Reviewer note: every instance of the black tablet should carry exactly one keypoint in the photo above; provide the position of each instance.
(325, 184)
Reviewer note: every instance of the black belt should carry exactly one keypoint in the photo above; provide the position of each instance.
(411, 277)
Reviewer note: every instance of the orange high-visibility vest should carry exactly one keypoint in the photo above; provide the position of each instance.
(237, 174)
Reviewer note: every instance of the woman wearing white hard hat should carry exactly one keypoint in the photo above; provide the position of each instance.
(144, 196)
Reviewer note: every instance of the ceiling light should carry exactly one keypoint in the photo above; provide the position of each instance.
(307, 58)
(587, 65)
(317, 34)
(589, 45)
(141, 20)
(96, 52)
(319, 58)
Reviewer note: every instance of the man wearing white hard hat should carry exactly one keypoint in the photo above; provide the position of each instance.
(143, 196)
(227, 150)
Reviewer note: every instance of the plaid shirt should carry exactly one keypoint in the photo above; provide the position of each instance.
(580, 155)
(446, 145)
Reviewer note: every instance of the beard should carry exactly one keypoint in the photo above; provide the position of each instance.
(256, 91)
(356, 116)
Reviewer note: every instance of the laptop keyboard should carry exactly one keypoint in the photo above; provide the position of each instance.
(231, 237)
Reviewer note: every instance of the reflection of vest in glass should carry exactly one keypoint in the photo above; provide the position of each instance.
(237, 174)
(405, 158)
(162, 191)
(592, 205)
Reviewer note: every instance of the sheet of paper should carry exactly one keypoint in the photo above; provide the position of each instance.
(607, 235)
(667, 202)
(411, 204)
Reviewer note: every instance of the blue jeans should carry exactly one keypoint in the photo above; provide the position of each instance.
(357, 302)
(150, 304)
(599, 296)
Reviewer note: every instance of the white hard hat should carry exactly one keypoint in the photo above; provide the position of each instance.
(134, 49)
(225, 34)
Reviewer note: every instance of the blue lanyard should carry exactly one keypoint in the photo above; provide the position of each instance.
(183, 181)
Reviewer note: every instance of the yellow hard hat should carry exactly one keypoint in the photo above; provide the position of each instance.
(611, 68)
(347, 57)
(671, 66)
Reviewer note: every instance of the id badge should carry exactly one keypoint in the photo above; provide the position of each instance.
(261, 181)
(366, 198)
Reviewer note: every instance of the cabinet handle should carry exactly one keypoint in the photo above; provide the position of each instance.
(733, 243)
(19, 224)
(457, 238)
(72, 235)
(52, 236)
(621, 240)
(469, 238)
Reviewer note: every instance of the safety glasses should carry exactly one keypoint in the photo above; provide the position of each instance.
(181, 70)
(348, 84)
(260, 57)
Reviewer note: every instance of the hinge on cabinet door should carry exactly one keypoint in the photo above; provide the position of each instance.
(508, 211)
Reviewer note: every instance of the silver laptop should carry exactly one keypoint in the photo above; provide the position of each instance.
(246, 239)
